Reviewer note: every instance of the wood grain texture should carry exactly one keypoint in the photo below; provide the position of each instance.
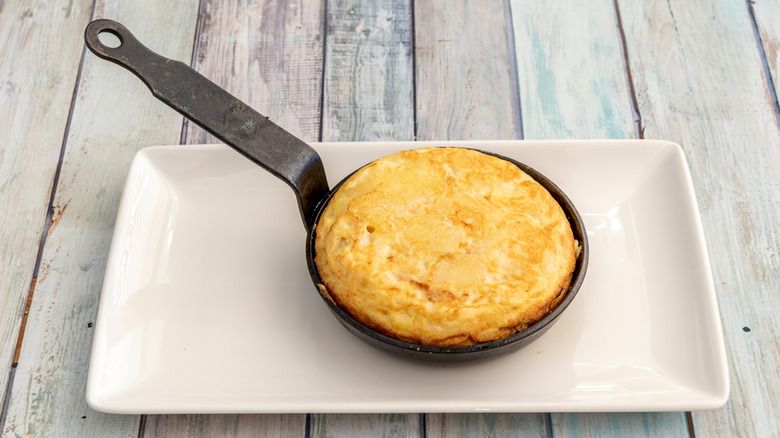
(367, 96)
(621, 424)
(700, 83)
(35, 95)
(573, 84)
(369, 81)
(466, 84)
(570, 71)
(48, 394)
(766, 13)
(268, 54)
(466, 89)
(218, 426)
(364, 425)
(486, 425)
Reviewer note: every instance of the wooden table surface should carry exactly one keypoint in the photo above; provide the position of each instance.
(700, 73)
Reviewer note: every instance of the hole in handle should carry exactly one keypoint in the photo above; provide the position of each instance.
(109, 38)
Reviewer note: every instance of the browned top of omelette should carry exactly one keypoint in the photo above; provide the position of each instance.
(444, 247)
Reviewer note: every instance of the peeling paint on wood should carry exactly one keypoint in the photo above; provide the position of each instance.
(33, 124)
(463, 70)
(766, 13)
(700, 83)
(465, 80)
(208, 426)
(620, 424)
(364, 425)
(48, 394)
(268, 54)
(466, 89)
(570, 71)
(368, 96)
(369, 79)
(486, 425)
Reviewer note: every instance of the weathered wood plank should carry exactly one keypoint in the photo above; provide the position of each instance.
(368, 95)
(485, 425)
(466, 89)
(573, 85)
(214, 426)
(369, 82)
(35, 92)
(364, 425)
(766, 13)
(268, 54)
(48, 395)
(633, 424)
(465, 78)
(699, 82)
(570, 71)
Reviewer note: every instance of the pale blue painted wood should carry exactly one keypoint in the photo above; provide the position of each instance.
(364, 425)
(486, 425)
(367, 96)
(621, 424)
(33, 118)
(466, 89)
(766, 14)
(225, 426)
(699, 82)
(270, 56)
(573, 84)
(113, 116)
(368, 93)
(465, 78)
(570, 71)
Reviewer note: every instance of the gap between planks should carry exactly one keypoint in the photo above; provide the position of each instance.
(770, 83)
(321, 129)
(639, 131)
(50, 221)
(198, 27)
(514, 73)
(422, 424)
(413, 42)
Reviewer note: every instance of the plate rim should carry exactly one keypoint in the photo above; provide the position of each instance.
(716, 399)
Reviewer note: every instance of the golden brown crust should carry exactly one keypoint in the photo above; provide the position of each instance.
(445, 247)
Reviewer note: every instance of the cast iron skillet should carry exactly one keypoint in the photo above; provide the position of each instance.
(297, 164)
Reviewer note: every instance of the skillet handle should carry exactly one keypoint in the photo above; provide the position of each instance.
(220, 113)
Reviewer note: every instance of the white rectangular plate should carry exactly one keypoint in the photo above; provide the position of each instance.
(208, 307)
